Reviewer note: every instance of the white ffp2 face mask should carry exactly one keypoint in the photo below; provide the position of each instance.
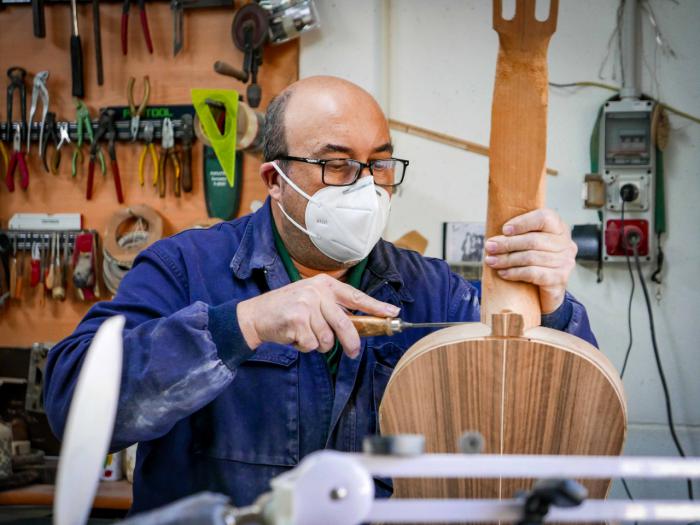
(344, 222)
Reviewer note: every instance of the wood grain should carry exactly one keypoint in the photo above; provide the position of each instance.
(518, 146)
(533, 394)
(207, 39)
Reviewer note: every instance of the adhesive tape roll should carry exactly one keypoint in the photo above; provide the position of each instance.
(149, 228)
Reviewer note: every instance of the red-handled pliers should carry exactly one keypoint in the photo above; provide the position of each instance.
(17, 159)
(144, 24)
(106, 129)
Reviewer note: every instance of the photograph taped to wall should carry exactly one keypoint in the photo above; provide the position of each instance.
(463, 242)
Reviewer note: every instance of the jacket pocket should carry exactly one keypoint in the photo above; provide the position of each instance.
(256, 419)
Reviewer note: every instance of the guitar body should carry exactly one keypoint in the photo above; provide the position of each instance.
(537, 392)
(526, 389)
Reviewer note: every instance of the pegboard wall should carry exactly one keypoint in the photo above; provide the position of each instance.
(206, 40)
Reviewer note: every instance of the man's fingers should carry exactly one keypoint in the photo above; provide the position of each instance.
(526, 258)
(354, 299)
(534, 241)
(543, 220)
(534, 274)
(342, 326)
(323, 333)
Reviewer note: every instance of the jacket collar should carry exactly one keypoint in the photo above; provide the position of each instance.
(257, 251)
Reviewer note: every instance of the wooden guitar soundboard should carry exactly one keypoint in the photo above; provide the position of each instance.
(525, 388)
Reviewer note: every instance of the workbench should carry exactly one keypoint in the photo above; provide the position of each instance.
(116, 495)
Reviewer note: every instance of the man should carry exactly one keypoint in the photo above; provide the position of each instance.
(239, 358)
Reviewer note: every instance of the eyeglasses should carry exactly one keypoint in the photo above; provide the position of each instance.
(388, 173)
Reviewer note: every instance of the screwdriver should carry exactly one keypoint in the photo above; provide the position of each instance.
(368, 325)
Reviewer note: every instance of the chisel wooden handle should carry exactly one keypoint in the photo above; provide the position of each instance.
(367, 325)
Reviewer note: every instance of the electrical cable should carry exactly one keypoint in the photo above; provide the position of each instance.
(659, 367)
(629, 322)
(629, 304)
(587, 83)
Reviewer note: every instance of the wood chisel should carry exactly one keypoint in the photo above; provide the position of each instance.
(368, 325)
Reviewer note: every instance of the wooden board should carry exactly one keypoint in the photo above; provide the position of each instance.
(544, 392)
(207, 39)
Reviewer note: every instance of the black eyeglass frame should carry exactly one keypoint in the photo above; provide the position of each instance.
(363, 165)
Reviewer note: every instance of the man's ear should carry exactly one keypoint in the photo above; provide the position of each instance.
(271, 179)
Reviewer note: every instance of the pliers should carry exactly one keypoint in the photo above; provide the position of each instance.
(167, 151)
(50, 135)
(144, 24)
(148, 147)
(16, 159)
(106, 129)
(187, 138)
(133, 109)
(82, 117)
(64, 138)
(38, 90)
(17, 76)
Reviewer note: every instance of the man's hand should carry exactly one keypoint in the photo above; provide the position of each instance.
(536, 248)
(307, 314)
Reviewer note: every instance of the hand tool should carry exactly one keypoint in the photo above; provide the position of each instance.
(13, 270)
(107, 129)
(58, 291)
(50, 271)
(20, 276)
(137, 111)
(76, 54)
(35, 266)
(97, 36)
(83, 122)
(5, 158)
(38, 91)
(167, 151)
(64, 138)
(144, 24)
(17, 76)
(249, 32)
(49, 135)
(178, 7)
(5, 250)
(369, 325)
(148, 147)
(17, 159)
(187, 138)
(38, 18)
(42, 274)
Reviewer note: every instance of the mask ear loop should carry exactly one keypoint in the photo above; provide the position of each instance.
(289, 181)
(299, 191)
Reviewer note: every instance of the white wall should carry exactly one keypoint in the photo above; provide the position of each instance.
(432, 64)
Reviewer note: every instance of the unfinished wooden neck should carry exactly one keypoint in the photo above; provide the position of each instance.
(518, 145)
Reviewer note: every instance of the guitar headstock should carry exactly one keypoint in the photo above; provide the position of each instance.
(524, 31)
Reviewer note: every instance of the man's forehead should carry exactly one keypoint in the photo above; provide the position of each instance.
(335, 119)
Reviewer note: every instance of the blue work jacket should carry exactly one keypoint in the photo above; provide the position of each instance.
(207, 411)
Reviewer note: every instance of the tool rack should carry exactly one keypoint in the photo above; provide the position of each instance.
(122, 124)
(26, 238)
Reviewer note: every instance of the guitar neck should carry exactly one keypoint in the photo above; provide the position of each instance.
(517, 155)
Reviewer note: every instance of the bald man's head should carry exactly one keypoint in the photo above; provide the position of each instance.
(321, 98)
